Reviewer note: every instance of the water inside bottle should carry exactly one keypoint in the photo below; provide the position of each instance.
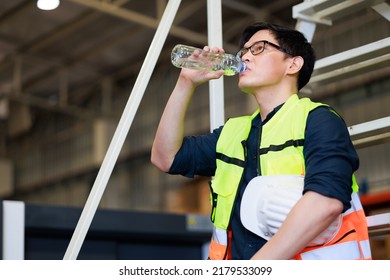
(186, 57)
(229, 70)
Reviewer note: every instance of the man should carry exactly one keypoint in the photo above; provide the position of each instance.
(285, 136)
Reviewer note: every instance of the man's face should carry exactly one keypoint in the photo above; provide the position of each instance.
(264, 70)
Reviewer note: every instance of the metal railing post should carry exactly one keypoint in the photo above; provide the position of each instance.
(216, 89)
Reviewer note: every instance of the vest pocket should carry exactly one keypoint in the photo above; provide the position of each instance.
(222, 194)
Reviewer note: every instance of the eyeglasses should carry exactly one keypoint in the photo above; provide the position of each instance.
(258, 47)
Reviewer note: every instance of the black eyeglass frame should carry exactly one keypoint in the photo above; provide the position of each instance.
(244, 51)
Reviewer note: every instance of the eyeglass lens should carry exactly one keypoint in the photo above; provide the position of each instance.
(255, 49)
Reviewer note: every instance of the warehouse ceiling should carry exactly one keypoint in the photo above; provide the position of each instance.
(57, 61)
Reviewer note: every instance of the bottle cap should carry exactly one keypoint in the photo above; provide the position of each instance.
(243, 67)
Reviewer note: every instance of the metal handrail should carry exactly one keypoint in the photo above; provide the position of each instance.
(379, 224)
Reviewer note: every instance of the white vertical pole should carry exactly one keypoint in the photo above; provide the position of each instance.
(121, 131)
(216, 89)
(13, 230)
(307, 28)
(214, 25)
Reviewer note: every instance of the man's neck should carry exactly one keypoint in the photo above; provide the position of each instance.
(268, 100)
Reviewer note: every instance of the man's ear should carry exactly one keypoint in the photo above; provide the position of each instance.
(296, 64)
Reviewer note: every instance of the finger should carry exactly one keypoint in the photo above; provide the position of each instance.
(216, 74)
(217, 50)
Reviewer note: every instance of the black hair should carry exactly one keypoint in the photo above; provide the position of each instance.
(291, 40)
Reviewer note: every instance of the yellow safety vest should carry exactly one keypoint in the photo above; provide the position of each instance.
(281, 153)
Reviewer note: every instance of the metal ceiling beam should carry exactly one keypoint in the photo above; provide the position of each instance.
(141, 19)
(85, 19)
(59, 33)
(383, 9)
(14, 11)
(46, 39)
(72, 110)
(368, 57)
(78, 112)
(257, 13)
(359, 130)
(69, 28)
(342, 65)
(325, 11)
(247, 9)
(188, 10)
(370, 133)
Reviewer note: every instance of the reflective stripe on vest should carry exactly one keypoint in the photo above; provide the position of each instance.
(218, 245)
(344, 251)
(351, 241)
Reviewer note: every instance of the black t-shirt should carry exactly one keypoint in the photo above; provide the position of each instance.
(330, 160)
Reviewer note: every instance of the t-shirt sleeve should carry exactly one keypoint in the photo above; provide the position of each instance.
(197, 155)
(330, 156)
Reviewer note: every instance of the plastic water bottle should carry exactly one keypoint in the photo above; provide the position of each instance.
(183, 56)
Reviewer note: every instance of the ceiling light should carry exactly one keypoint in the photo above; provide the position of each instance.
(48, 4)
